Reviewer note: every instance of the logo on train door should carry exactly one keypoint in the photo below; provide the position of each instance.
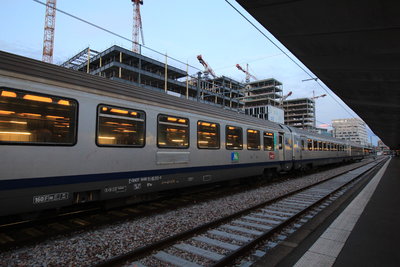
(235, 156)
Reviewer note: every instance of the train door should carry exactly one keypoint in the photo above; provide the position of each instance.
(303, 146)
(296, 147)
(281, 147)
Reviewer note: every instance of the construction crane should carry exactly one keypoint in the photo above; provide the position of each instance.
(207, 68)
(285, 97)
(246, 71)
(49, 28)
(318, 96)
(137, 26)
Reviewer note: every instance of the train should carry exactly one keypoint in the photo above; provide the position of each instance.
(68, 138)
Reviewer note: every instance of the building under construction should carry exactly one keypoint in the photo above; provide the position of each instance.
(263, 99)
(300, 113)
(117, 63)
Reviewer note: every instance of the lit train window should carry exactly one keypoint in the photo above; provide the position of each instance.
(310, 144)
(173, 132)
(253, 139)
(320, 145)
(36, 119)
(208, 135)
(120, 127)
(234, 137)
(315, 145)
(269, 143)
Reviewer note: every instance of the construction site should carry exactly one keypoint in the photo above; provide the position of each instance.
(264, 99)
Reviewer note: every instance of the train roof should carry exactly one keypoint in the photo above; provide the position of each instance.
(103, 86)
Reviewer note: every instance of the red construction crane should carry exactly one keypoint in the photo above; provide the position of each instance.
(246, 71)
(137, 26)
(49, 27)
(285, 97)
(318, 96)
(207, 68)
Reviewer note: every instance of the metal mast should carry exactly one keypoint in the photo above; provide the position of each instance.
(49, 27)
(137, 25)
(248, 74)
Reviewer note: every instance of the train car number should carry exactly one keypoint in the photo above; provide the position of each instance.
(50, 198)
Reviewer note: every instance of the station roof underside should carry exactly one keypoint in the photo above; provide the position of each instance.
(352, 46)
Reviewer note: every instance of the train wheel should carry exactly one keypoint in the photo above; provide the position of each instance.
(269, 175)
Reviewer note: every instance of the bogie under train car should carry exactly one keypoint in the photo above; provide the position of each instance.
(68, 137)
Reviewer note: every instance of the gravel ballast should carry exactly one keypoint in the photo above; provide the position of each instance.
(95, 246)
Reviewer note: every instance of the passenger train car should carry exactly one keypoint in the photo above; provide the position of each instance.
(67, 137)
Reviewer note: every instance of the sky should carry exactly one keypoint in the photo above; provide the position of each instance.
(181, 29)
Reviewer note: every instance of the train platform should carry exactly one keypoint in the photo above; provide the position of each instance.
(361, 229)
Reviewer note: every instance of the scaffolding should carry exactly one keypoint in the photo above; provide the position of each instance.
(120, 64)
(81, 58)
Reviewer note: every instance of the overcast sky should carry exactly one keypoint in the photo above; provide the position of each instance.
(181, 28)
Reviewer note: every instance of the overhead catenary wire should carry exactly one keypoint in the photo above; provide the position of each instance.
(115, 34)
(177, 60)
(288, 56)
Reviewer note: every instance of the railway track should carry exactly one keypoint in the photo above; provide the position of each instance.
(222, 241)
(16, 233)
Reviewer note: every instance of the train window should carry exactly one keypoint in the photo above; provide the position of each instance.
(173, 132)
(303, 145)
(253, 139)
(234, 137)
(269, 143)
(208, 135)
(120, 126)
(280, 142)
(320, 145)
(315, 145)
(324, 147)
(309, 144)
(36, 119)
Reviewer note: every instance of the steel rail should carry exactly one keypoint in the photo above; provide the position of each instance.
(141, 252)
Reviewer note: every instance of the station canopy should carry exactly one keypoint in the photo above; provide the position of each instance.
(353, 46)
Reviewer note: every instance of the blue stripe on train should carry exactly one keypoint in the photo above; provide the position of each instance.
(98, 177)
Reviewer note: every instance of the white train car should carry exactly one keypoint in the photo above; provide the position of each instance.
(68, 137)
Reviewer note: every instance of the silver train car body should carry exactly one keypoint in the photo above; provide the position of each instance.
(47, 174)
